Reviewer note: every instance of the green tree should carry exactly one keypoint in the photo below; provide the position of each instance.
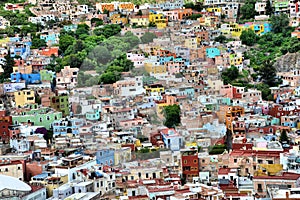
(100, 54)
(230, 74)
(279, 23)
(108, 30)
(172, 115)
(147, 37)
(97, 22)
(123, 62)
(65, 41)
(7, 67)
(110, 77)
(194, 16)
(38, 43)
(221, 39)
(265, 91)
(283, 136)
(268, 73)
(131, 39)
(248, 37)
(248, 10)
(269, 8)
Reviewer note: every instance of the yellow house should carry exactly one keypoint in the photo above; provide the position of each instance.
(126, 6)
(117, 19)
(24, 97)
(158, 19)
(236, 30)
(139, 20)
(55, 182)
(235, 59)
(214, 10)
(122, 155)
(155, 69)
(191, 43)
(26, 69)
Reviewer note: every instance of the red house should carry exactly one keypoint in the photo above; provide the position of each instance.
(5, 122)
(190, 163)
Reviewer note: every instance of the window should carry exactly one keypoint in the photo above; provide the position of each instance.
(235, 160)
(185, 161)
(195, 161)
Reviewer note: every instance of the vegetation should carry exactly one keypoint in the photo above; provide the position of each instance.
(172, 115)
(230, 74)
(220, 38)
(279, 23)
(194, 16)
(283, 136)
(148, 37)
(248, 10)
(7, 67)
(248, 37)
(217, 149)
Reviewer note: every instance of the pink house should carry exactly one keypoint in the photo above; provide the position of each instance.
(174, 67)
(227, 91)
(137, 58)
(131, 122)
(172, 14)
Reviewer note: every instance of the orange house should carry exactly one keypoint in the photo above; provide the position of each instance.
(183, 13)
(50, 51)
(126, 6)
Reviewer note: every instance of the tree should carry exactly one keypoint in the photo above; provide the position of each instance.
(108, 30)
(279, 23)
(122, 62)
(110, 77)
(220, 38)
(283, 136)
(65, 41)
(148, 37)
(38, 43)
(230, 74)
(248, 10)
(172, 115)
(7, 67)
(139, 13)
(100, 54)
(248, 37)
(97, 21)
(131, 39)
(268, 73)
(269, 8)
(194, 16)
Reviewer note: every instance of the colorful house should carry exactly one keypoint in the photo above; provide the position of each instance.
(37, 116)
(61, 104)
(158, 19)
(212, 52)
(139, 20)
(47, 75)
(259, 28)
(24, 97)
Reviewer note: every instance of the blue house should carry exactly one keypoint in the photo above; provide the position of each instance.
(20, 49)
(68, 126)
(105, 157)
(172, 140)
(187, 91)
(70, 27)
(50, 37)
(212, 52)
(28, 78)
(93, 116)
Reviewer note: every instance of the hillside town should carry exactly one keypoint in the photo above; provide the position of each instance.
(150, 100)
